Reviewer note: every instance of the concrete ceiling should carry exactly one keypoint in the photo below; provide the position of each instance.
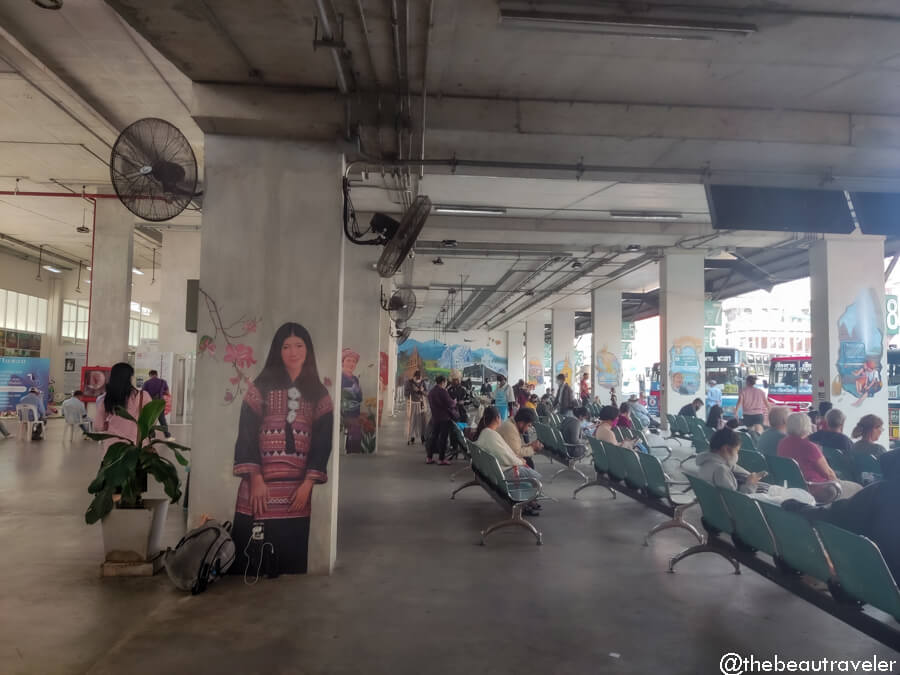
(807, 98)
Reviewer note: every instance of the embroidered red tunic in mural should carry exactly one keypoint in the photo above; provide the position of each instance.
(284, 452)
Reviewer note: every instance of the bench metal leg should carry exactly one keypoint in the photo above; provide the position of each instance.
(516, 520)
(687, 459)
(703, 548)
(573, 469)
(676, 522)
(467, 467)
(590, 484)
(463, 487)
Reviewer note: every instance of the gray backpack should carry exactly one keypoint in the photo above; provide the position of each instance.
(202, 556)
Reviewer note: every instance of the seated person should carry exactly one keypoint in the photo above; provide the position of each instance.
(513, 431)
(720, 467)
(823, 482)
(715, 420)
(768, 441)
(868, 431)
(488, 439)
(571, 428)
(818, 417)
(544, 406)
(624, 418)
(640, 411)
(33, 397)
(73, 408)
(690, 410)
(604, 430)
(833, 436)
(871, 513)
(532, 402)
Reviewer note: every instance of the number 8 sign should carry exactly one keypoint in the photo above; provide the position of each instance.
(892, 314)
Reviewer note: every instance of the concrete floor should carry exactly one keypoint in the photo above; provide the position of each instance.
(413, 591)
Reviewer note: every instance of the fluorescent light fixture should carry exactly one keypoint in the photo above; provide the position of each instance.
(135, 270)
(645, 215)
(626, 26)
(455, 210)
(87, 281)
(51, 268)
(88, 268)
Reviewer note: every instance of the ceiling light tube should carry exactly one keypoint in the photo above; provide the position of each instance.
(135, 270)
(644, 215)
(454, 210)
(577, 22)
(51, 268)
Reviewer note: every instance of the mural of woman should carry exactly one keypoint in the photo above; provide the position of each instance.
(351, 400)
(282, 450)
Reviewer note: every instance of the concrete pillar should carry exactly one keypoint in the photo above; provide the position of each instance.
(385, 345)
(273, 257)
(515, 354)
(360, 359)
(606, 321)
(681, 330)
(180, 262)
(563, 346)
(534, 355)
(390, 406)
(849, 360)
(110, 284)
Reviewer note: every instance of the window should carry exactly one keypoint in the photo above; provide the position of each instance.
(139, 327)
(75, 320)
(23, 312)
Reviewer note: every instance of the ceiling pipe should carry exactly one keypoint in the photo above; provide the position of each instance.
(328, 35)
(40, 249)
(428, 30)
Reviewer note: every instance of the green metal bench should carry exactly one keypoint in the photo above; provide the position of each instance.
(513, 495)
(753, 461)
(840, 463)
(556, 449)
(715, 520)
(601, 466)
(868, 468)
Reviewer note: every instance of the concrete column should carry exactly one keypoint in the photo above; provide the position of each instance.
(606, 321)
(385, 345)
(515, 354)
(391, 394)
(563, 346)
(849, 360)
(180, 262)
(681, 330)
(110, 284)
(274, 255)
(534, 355)
(360, 360)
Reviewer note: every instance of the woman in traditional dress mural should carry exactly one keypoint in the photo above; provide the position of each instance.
(351, 400)
(282, 450)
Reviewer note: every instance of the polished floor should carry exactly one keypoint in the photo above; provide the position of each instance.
(413, 591)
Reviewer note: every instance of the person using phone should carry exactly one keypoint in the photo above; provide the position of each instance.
(720, 466)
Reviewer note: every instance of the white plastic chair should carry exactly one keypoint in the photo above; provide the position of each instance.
(73, 419)
(28, 417)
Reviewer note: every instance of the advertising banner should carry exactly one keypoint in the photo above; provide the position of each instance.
(18, 375)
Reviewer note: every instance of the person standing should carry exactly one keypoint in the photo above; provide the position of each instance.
(415, 407)
(503, 397)
(121, 394)
(585, 388)
(443, 413)
(158, 388)
(753, 403)
(565, 399)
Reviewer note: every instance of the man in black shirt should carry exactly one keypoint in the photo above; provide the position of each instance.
(690, 410)
(832, 436)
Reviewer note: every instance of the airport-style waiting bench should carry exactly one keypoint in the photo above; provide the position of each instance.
(794, 553)
(511, 495)
(641, 477)
(559, 451)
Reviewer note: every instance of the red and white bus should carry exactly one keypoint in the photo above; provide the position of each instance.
(790, 382)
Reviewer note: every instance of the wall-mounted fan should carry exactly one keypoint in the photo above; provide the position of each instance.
(403, 335)
(401, 306)
(401, 243)
(154, 170)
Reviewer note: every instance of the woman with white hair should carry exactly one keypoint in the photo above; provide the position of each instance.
(823, 483)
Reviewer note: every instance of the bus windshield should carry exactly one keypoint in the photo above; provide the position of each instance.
(729, 377)
(791, 377)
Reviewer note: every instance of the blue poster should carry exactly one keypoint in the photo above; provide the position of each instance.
(19, 374)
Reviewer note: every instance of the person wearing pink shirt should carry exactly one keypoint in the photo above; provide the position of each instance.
(120, 394)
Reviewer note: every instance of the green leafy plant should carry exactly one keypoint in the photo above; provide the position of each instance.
(127, 464)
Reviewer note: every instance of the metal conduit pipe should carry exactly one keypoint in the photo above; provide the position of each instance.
(534, 273)
(40, 249)
(428, 30)
(329, 35)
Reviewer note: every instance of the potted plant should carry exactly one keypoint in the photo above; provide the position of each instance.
(132, 522)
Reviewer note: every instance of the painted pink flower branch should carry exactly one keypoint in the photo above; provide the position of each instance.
(237, 353)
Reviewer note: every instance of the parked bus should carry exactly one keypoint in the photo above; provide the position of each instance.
(893, 378)
(726, 368)
(790, 382)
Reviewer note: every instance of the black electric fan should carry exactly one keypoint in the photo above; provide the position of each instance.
(154, 170)
(401, 306)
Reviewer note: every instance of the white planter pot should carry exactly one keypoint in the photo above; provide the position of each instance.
(134, 535)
